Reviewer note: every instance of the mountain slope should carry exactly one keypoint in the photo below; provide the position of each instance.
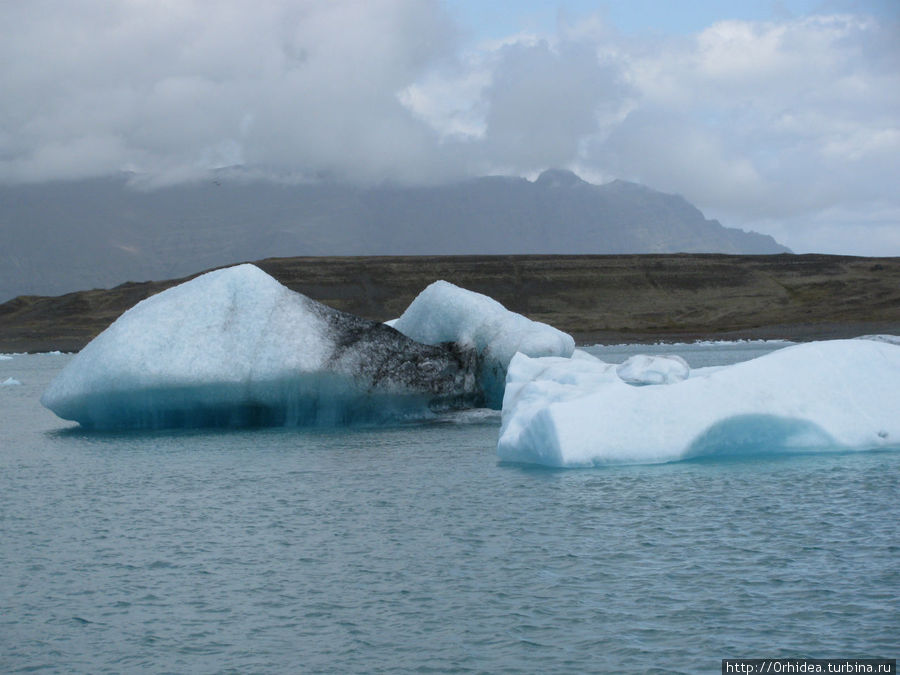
(65, 236)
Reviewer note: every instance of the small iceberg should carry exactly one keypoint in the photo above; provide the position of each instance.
(664, 369)
(835, 395)
(10, 382)
(446, 313)
(234, 347)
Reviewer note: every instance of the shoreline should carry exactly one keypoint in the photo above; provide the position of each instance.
(784, 333)
(598, 299)
(611, 341)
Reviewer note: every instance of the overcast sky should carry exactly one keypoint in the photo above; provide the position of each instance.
(783, 117)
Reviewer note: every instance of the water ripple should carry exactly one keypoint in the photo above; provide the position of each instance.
(412, 550)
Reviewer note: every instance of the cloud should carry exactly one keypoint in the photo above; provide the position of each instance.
(163, 87)
(543, 102)
(760, 123)
(754, 121)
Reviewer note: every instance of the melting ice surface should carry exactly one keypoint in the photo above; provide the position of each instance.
(836, 395)
(236, 348)
(446, 313)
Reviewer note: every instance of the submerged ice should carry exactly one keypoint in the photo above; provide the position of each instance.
(234, 347)
(836, 395)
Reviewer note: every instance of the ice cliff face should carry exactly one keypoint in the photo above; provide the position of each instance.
(236, 348)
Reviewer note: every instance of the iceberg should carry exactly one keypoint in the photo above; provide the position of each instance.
(446, 313)
(10, 382)
(834, 395)
(234, 347)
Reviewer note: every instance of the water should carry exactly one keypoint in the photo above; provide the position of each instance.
(698, 355)
(412, 549)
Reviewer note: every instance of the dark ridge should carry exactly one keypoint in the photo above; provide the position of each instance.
(619, 298)
(66, 236)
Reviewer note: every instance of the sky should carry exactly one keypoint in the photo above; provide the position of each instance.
(778, 116)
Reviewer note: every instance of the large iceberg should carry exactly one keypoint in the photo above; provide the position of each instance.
(234, 347)
(836, 395)
(446, 313)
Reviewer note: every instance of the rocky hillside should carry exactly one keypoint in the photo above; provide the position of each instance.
(596, 298)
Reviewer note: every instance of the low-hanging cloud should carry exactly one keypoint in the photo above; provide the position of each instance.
(772, 124)
(173, 89)
(543, 102)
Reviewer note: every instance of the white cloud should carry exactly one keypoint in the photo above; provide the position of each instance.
(295, 86)
(765, 122)
(451, 102)
(757, 122)
(543, 101)
(771, 125)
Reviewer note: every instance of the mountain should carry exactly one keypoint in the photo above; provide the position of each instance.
(66, 236)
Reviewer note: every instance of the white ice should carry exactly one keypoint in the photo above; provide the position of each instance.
(229, 348)
(642, 369)
(446, 313)
(835, 395)
(10, 382)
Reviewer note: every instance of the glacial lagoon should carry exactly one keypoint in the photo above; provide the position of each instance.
(411, 548)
